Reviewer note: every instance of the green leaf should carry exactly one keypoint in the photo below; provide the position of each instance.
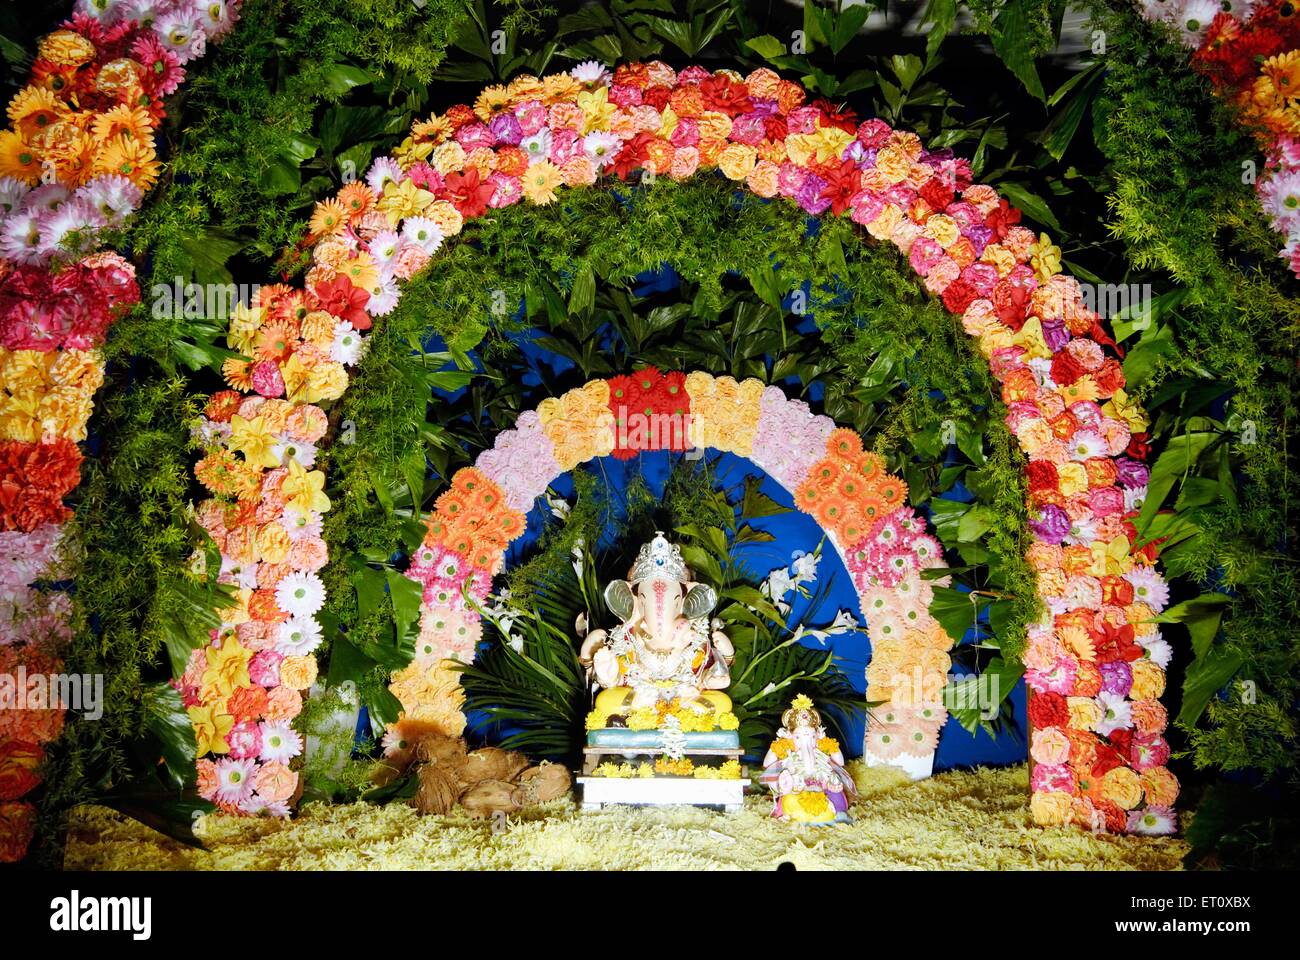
(1029, 203)
(339, 78)
(167, 722)
(1011, 42)
(1201, 615)
(1205, 677)
(955, 610)
(767, 46)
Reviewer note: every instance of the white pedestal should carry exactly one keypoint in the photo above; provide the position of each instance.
(918, 768)
(660, 791)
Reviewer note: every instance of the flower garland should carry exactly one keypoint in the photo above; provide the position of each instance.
(75, 161)
(1060, 375)
(845, 488)
(1250, 50)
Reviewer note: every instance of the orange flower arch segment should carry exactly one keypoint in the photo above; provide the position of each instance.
(527, 142)
(862, 508)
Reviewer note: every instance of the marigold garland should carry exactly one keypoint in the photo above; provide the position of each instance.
(1060, 375)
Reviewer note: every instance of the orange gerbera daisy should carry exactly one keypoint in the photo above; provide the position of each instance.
(453, 505)
(434, 130)
(843, 442)
(493, 100)
(128, 158)
(872, 509)
(35, 108)
(276, 341)
(134, 123)
(18, 158)
(329, 217)
(238, 374)
(893, 491)
(869, 467)
(825, 473)
(808, 496)
(356, 199)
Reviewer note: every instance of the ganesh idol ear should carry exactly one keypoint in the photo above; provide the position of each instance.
(618, 597)
(699, 602)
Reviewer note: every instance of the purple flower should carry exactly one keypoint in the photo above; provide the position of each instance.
(1116, 677)
(1053, 526)
(505, 127)
(1132, 474)
(809, 195)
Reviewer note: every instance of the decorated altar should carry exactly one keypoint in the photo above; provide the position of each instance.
(525, 443)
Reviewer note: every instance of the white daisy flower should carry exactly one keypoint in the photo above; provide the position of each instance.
(299, 636)
(300, 594)
(280, 743)
(347, 346)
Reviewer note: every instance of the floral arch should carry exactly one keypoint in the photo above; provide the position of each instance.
(861, 507)
(1061, 382)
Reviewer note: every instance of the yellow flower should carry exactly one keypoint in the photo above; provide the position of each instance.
(252, 438)
(1111, 558)
(402, 200)
(1122, 407)
(728, 721)
(304, 490)
(802, 702)
(540, 181)
(596, 109)
(227, 669)
(210, 728)
(1045, 258)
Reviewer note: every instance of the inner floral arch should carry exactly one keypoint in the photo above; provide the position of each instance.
(882, 541)
(1089, 656)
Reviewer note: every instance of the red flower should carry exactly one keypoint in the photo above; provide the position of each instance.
(460, 114)
(1002, 219)
(468, 193)
(937, 192)
(1115, 643)
(632, 155)
(1041, 475)
(958, 296)
(1138, 448)
(842, 183)
(1107, 759)
(1011, 302)
(18, 763)
(725, 95)
(345, 301)
(1048, 710)
(775, 127)
(1066, 369)
(657, 96)
(1110, 377)
(841, 117)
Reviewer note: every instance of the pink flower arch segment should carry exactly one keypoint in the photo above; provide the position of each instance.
(1095, 659)
(862, 508)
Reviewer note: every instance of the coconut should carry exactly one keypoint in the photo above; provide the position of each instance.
(490, 796)
(547, 781)
(449, 751)
(491, 763)
(437, 789)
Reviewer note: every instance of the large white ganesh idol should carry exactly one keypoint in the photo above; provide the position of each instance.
(664, 649)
